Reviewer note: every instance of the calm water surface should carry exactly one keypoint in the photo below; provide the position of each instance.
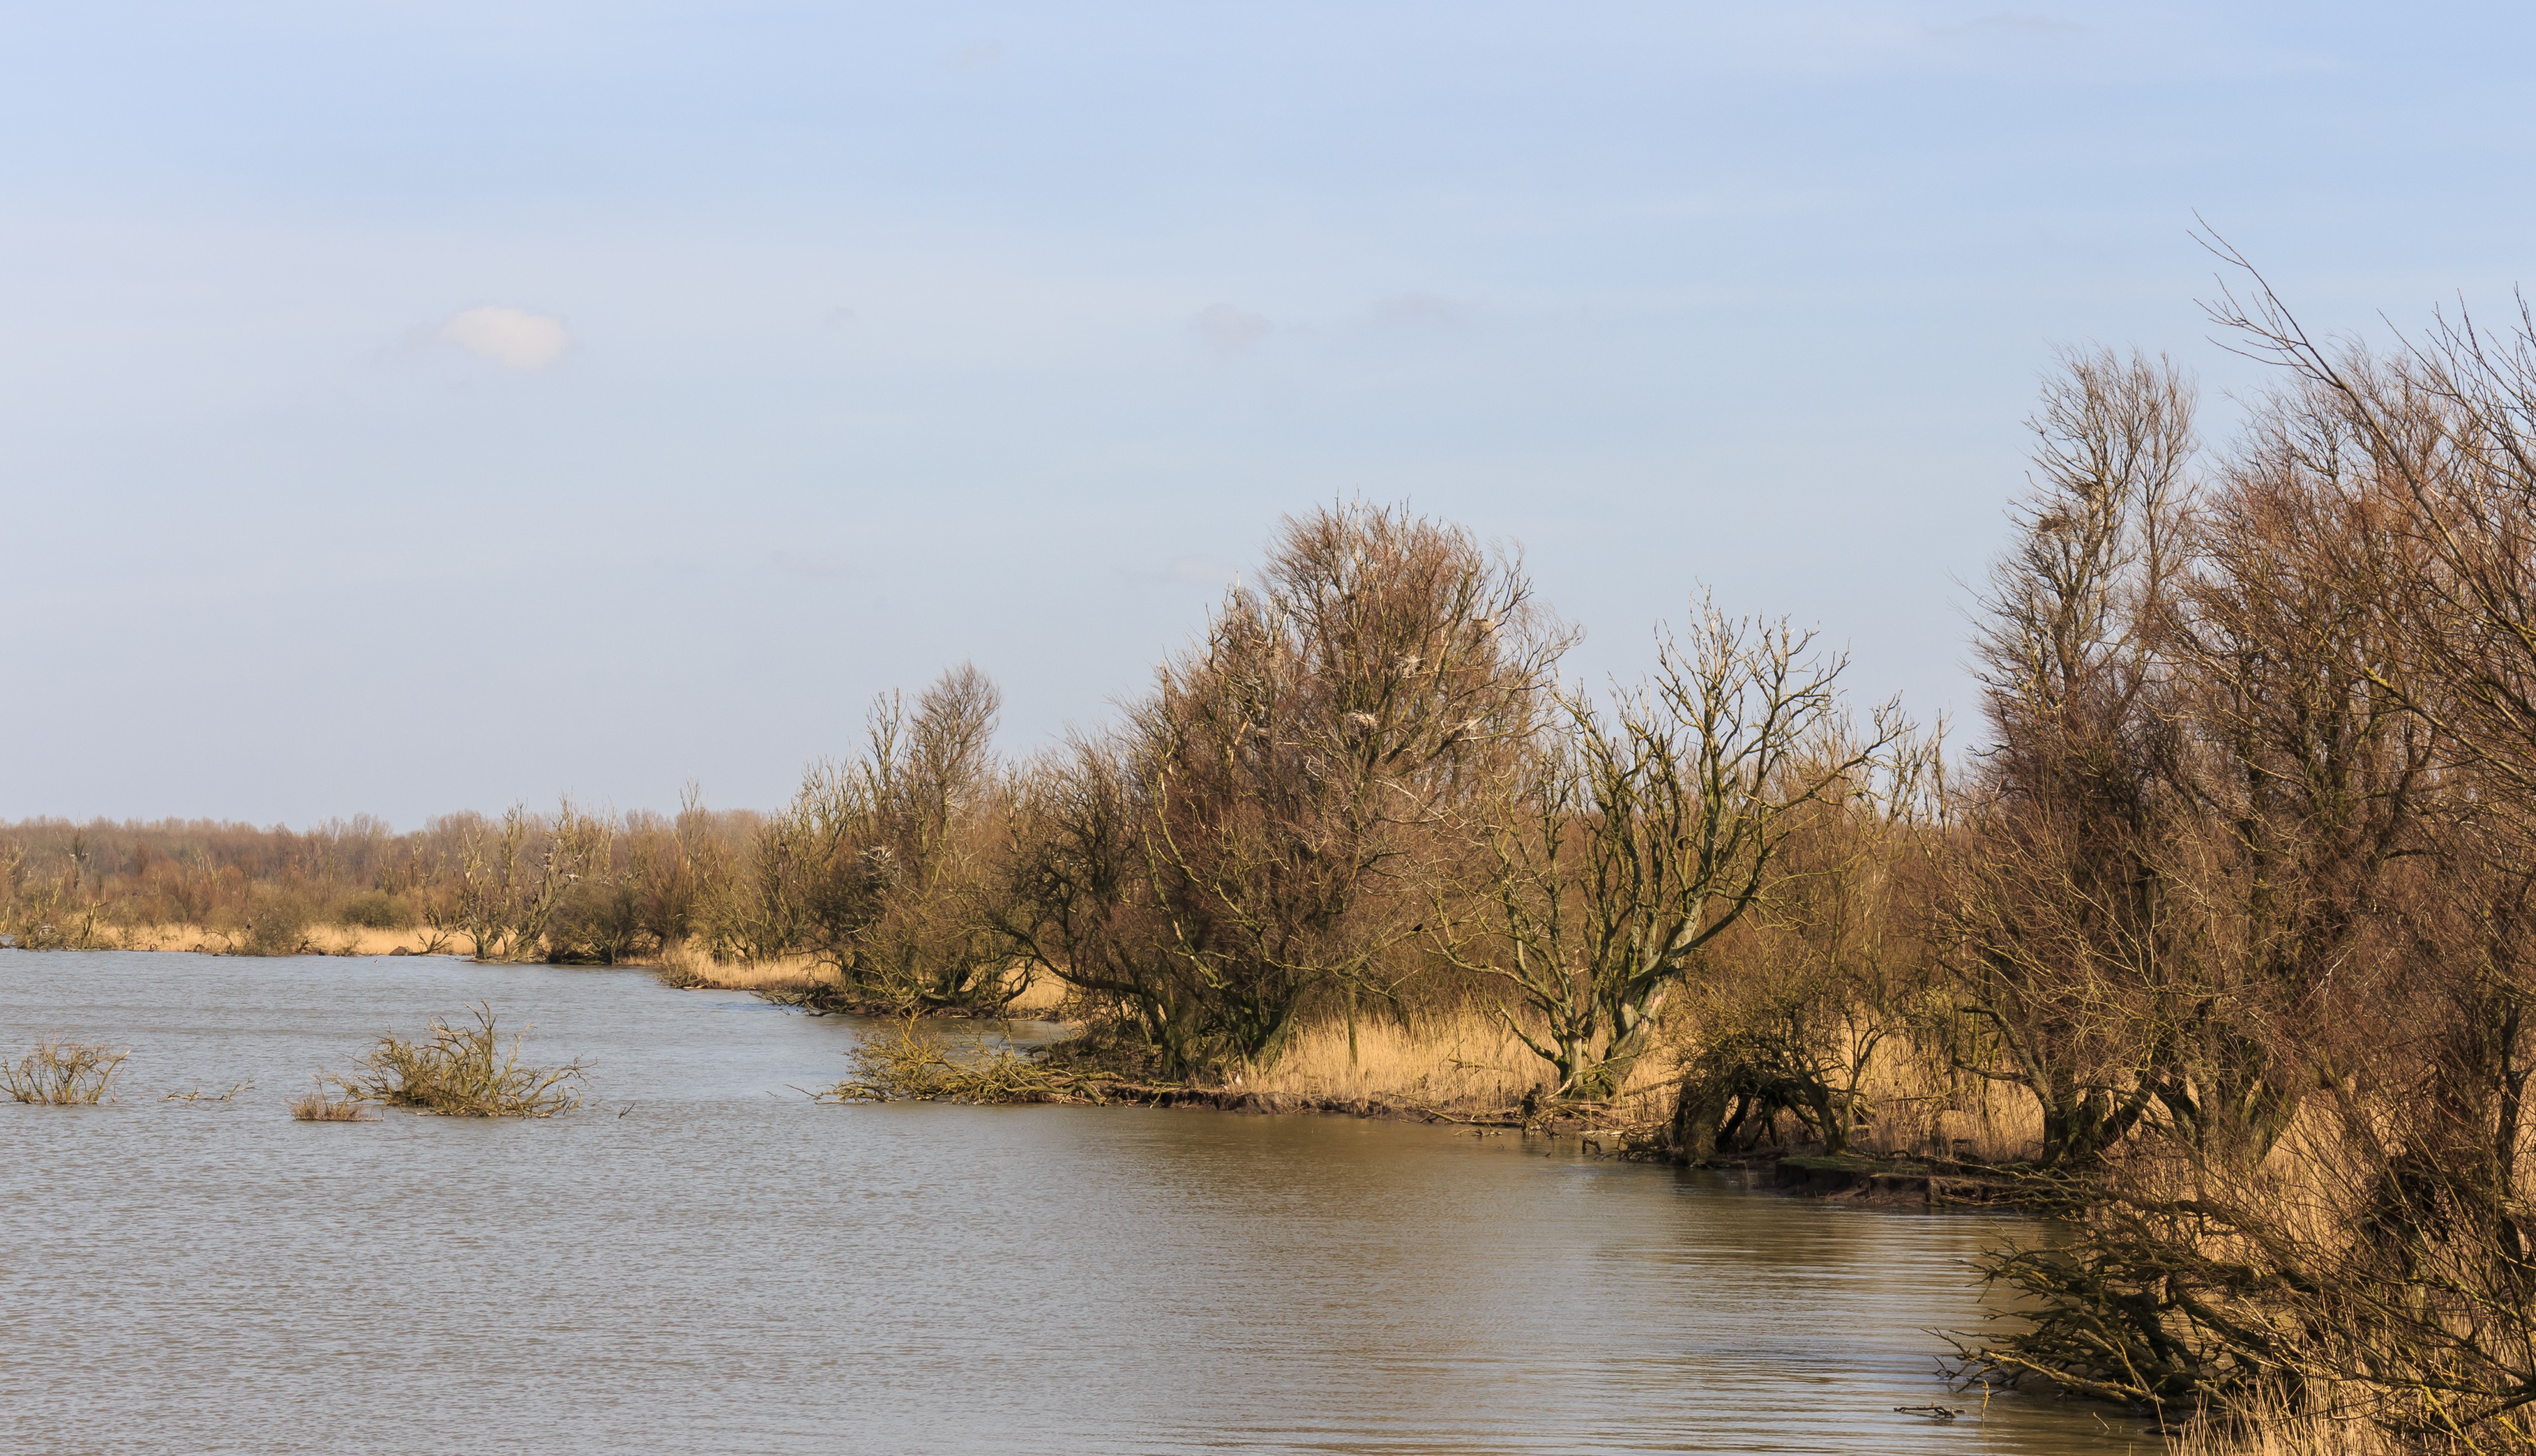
(704, 1261)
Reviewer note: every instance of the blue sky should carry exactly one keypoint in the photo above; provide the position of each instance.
(406, 408)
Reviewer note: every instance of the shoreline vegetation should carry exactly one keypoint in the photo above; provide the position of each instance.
(2219, 942)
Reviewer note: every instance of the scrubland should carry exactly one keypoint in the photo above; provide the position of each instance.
(2218, 935)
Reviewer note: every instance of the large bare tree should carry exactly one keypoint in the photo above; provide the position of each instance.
(2068, 929)
(1641, 832)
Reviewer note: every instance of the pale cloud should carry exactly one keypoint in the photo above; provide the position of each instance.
(1417, 311)
(977, 55)
(513, 338)
(1205, 569)
(794, 564)
(1229, 330)
(2037, 25)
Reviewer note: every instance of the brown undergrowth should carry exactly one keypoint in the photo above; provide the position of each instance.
(1460, 1065)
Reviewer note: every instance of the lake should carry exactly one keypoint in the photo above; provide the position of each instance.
(703, 1259)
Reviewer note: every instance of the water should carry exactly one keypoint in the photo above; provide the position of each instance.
(706, 1260)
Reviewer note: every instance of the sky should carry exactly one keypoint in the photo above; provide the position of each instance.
(409, 407)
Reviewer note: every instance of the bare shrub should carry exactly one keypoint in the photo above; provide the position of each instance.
(680, 868)
(2066, 917)
(912, 1062)
(2313, 964)
(464, 1071)
(595, 922)
(317, 1107)
(63, 1075)
(1828, 978)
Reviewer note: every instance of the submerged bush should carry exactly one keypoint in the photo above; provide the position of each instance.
(912, 1062)
(464, 1071)
(198, 1096)
(317, 1107)
(62, 1074)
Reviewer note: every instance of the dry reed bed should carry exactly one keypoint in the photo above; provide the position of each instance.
(316, 940)
(689, 967)
(2271, 1426)
(1466, 1060)
(1460, 1064)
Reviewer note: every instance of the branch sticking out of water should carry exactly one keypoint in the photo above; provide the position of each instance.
(198, 1095)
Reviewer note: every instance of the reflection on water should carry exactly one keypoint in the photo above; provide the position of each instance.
(704, 1261)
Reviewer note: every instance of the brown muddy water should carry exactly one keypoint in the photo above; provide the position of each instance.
(704, 1261)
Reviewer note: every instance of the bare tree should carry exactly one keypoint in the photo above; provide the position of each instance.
(2064, 919)
(2307, 776)
(882, 867)
(1642, 835)
(1260, 830)
(1828, 967)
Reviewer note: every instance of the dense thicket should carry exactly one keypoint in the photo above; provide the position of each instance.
(571, 886)
(2242, 891)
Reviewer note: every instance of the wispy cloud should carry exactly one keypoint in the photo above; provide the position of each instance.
(977, 55)
(1229, 330)
(1416, 311)
(1204, 569)
(2038, 26)
(792, 563)
(513, 338)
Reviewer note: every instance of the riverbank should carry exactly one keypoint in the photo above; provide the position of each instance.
(1460, 1064)
(684, 966)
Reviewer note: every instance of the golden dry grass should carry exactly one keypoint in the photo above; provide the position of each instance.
(1915, 1113)
(333, 940)
(361, 940)
(2273, 1429)
(1043, 998)
(690, 967)
(1468, 1060)
(1465, 1058)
